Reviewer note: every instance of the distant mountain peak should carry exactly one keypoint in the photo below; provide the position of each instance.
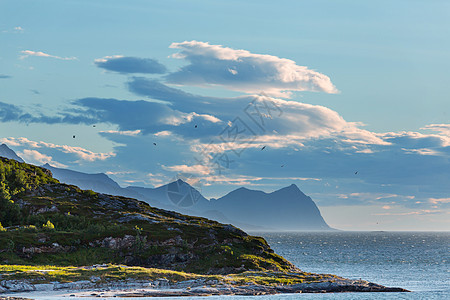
(287, 208)
(242, 188)
(7, 152)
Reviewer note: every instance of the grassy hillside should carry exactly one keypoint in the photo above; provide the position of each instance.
(45, 222)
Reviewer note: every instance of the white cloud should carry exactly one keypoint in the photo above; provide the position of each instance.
(179, 118)
(417, 212)
(18, 29)
(123, 132)
(416, 139)
(366, 151)
(27, 53)
(247, 180)
(370, 197)
(422, 151)
(80, 152)
(119, 172)
(35, 157)
(163, 133)
(290, 125)
(194, 169)
(156, 179)
(106, 58)
(241, 70)
(439, 200)
(206, 117)
(444, 129)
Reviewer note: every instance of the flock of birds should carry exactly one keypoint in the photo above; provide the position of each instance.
(195, 126)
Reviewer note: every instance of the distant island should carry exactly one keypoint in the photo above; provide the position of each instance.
(93, 241)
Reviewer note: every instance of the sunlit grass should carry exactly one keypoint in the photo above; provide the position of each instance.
(110, 273)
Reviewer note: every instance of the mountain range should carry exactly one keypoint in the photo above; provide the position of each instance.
(285, 209)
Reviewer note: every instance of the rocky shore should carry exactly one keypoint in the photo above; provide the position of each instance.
(198, 287)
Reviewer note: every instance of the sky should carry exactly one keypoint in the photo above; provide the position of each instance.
(347, 99)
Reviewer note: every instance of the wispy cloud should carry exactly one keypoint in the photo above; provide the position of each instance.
(194, 169)
(417, 212)
(80, 152)
(441, 128)
(119, 172)
(125, 132)
(423, 151)
(2, 76)
(27, 53)
(439, 200)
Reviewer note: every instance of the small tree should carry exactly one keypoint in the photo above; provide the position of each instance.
(140, 240)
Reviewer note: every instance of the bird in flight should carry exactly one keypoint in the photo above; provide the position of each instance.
(73, 136)
(195, 126)
(263, 148)
(154, 144)
(282, 166)
(356, 172)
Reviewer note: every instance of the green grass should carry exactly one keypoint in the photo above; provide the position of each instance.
(51, 273)
(108, 273)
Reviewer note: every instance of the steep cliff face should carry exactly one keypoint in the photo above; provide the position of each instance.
(58, 224)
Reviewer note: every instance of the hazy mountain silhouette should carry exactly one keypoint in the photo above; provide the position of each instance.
(174, 194)
(284, 209)
(5, 151)
(99, 182)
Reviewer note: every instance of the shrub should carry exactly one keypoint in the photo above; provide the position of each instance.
(2, 228)
(48, 226)
(30, 228)
(90, 193)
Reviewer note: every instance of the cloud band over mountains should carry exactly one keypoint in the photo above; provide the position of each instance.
(309, 141)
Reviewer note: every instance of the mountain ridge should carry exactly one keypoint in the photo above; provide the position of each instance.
(7, 152)
(297, 212)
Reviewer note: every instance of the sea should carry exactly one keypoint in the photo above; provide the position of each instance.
(417, 261)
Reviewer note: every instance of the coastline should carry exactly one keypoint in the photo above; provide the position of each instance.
(248, 284)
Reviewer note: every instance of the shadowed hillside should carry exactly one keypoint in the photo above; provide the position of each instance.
(52, 223)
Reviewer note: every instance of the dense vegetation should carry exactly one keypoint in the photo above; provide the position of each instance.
(16, 178)
(46, 222)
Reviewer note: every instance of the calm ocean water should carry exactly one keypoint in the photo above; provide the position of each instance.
(418, 261)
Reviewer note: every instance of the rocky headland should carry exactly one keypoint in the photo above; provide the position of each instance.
(50, 232)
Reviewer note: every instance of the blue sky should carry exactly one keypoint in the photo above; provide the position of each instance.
(355, 86)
